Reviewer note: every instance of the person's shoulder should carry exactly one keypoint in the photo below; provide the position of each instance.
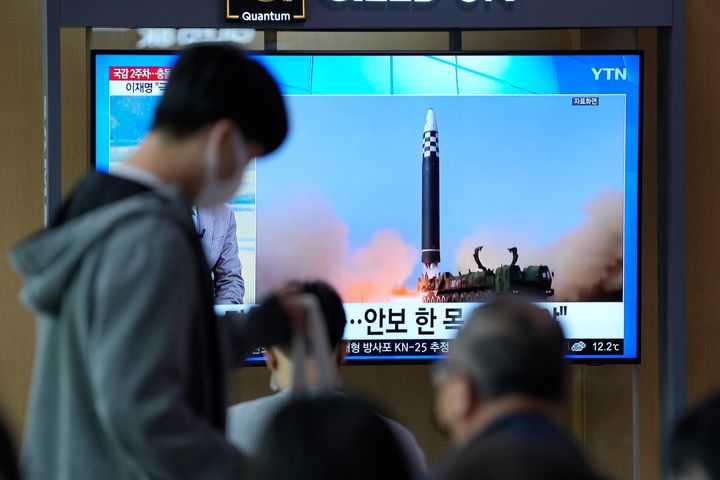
(523, 430)
(523, 426)
(257, 407)
(398, 427)
(514, 443)
(155, 228)
(223, 210)
(241, 409)
(246, 423)
(150, 223)
(409, 444)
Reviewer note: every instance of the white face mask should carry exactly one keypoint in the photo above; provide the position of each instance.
(214, 190)
(273, 383)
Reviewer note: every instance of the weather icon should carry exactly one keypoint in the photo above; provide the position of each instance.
(578, 347)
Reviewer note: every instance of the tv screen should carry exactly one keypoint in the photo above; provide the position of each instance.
(421, 185)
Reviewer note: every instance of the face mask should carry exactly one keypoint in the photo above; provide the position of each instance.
(273, 382)
(214, 190)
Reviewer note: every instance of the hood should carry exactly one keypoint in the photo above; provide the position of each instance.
(48, 260)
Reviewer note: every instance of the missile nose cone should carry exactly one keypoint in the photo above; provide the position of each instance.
(430, 124)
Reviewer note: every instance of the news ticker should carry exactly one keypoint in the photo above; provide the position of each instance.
(587, 346)
(431, 349)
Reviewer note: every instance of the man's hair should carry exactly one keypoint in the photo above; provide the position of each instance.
(213, 82)
(508, 348)
(695, 441)
(331, 307)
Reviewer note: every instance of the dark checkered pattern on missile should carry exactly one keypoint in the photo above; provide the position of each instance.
(430, 144)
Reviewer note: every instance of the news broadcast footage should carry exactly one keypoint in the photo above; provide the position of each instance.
(421, 186)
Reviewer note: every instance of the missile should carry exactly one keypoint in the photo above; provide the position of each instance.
(430, 254)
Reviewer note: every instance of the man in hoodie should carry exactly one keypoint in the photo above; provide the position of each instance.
(130, 367)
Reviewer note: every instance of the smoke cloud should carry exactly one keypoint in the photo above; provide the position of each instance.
(588, 261)
(306, 240)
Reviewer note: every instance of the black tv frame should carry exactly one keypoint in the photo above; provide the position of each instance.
(592, 361)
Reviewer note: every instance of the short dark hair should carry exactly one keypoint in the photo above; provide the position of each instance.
(329, 437)
(511, 347)
(213, 82)
(695, 441)
(276, 327)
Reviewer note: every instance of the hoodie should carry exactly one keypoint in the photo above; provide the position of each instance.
(128, 380)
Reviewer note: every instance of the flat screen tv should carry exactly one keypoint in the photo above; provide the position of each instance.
(421, 185)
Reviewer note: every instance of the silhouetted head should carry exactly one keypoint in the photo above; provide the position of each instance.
(329, 438)
(695, 444)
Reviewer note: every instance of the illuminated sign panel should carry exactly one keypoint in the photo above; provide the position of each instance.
(265, 11)
(367, 15)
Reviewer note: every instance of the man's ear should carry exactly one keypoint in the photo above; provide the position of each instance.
(271, 361)
(454, 402)
(461, 397)
(341, 352)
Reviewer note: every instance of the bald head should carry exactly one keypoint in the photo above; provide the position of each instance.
(511, 348)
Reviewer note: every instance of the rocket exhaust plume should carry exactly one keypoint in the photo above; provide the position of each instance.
(430, 255)
(310, 241)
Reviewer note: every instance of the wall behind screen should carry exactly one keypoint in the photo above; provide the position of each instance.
(20, 190)
(702, 199)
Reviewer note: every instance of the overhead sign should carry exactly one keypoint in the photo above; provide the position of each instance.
(265, 11)
(368, 15)
(431, 14)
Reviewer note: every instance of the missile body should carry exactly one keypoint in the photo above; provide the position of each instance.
(430, 196)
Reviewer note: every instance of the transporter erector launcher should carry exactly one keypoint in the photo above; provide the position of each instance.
(534, 281)
(430, 197)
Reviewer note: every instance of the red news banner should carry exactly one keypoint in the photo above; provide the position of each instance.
(138, 80)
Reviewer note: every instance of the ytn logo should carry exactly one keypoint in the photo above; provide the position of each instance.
(610, 73)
